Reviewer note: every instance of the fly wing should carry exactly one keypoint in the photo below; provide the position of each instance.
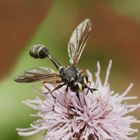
(78, 41)
(39, 74)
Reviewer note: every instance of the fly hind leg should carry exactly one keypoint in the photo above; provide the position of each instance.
(54, 97)
(46, 88)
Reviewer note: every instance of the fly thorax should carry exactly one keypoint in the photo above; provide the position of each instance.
(69, 74)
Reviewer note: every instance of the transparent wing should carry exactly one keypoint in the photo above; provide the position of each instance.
(39, 74)
(78, 41)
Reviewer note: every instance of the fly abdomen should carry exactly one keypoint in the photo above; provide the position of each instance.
(39, 51)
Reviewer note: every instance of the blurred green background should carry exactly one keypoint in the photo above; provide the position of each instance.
(115, 35)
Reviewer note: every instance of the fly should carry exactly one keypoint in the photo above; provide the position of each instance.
(70, 76)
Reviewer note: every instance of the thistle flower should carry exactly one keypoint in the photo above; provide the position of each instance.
(102, 115)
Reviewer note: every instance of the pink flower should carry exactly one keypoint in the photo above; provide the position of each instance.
(102, 115)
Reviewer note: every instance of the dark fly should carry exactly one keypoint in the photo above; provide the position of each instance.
(70, 76)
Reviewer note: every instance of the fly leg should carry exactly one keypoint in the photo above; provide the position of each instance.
(46, 88)
(90, 89)
(77, 94)
(56, 88)
(51, 91)
(65, 95)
